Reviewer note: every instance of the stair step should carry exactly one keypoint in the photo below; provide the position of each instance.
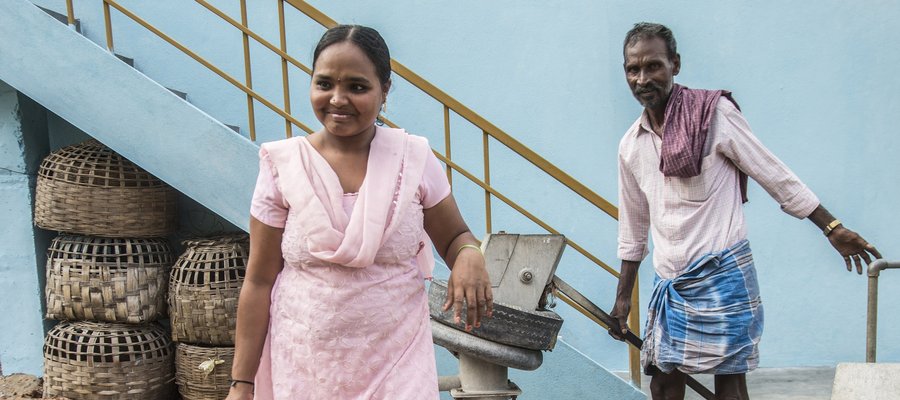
(178, 93)
(865, 381)
(126, 60)
(62, 18)
(130, 62)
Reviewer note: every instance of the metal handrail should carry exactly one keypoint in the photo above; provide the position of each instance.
(872, 305)
(248, 73)
(70, 14)
(256, 96)
(282, 39)
(479, 121)
(524, 212)
(449, 103)
(259, 39)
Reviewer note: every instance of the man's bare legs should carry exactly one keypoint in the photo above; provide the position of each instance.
(672, 386)
(732, 387)
(668, 386)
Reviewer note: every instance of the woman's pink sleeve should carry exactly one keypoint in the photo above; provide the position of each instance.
(435, 186)
(268, 205)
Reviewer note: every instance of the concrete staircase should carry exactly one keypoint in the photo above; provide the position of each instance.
(129, 112)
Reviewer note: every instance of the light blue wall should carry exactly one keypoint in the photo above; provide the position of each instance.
(21, 281)
(815, 81)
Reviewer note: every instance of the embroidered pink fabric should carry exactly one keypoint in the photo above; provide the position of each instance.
(349, 315)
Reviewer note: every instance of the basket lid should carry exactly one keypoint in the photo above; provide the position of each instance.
(90, 163)
(212, 260)
(117, 251)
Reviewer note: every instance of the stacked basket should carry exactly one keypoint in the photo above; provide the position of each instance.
(93, 360)
(93, 278)
(89, 189)
(106, 275)
(203, 296)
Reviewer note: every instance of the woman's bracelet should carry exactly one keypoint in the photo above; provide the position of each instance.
(234, 382)
(471, 246)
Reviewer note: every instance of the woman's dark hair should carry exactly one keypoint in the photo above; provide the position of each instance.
(647, 30)
(367, 39)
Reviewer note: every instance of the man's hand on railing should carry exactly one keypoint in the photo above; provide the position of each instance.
(622, 306)
(852, 246)
(620, 311)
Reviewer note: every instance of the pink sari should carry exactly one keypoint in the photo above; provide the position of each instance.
(349, 314)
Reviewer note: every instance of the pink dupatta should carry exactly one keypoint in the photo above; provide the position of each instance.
(310, 186)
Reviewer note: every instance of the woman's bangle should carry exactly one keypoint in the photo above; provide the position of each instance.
(471, 246)
(234, 382)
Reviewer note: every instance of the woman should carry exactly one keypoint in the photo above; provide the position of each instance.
(340, 235)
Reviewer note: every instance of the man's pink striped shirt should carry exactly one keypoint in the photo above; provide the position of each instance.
(690, 217)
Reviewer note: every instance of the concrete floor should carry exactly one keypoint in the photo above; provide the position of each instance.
(771, 383)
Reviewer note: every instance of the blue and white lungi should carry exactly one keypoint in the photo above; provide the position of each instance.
(707, 320)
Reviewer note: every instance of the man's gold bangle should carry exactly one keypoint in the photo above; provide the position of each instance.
(831, 226)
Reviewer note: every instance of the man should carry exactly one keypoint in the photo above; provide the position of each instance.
(683, 167)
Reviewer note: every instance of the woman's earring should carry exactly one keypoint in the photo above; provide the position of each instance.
(379, 120)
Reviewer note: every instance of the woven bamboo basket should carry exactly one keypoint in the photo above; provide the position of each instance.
(107, 279)
(90, 190)
(92, 360)
(203, 373)
(203, 289)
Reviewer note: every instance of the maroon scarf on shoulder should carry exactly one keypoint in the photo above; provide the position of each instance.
(687, 118)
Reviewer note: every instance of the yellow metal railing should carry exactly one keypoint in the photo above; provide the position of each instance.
(489, 130)
(70, 13)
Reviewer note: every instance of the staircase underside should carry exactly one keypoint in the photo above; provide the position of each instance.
(132, 114)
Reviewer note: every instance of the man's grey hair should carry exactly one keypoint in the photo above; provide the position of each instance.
(647, 30)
